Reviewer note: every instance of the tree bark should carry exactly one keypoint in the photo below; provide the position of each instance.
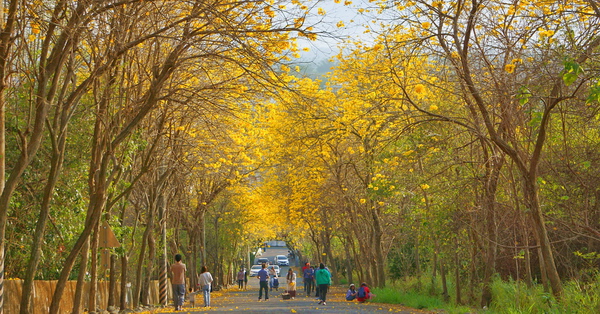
(531, 196)
(137, 291)
(379, 256)
(123, 297)
(457, 271)
(349, 268)
(493, 166)
(92, 305)
(81, 278)
(149, 268)
(112, 285)
(445, 293)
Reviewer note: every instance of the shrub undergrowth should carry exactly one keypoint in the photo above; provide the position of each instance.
(508, 297)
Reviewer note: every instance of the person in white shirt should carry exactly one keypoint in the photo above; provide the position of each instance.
(291, 282)
(205, 279)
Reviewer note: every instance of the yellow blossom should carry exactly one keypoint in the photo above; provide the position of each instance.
(420, 89)
(510, 68)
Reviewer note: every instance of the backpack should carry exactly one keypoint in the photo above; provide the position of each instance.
(361, 293)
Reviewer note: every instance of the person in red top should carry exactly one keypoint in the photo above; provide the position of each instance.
(364, 293)
(178, 281)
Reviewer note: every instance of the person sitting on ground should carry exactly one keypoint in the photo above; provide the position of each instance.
(364, 293)
(351, 293)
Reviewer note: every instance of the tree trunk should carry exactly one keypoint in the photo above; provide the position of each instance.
(417, 253)
(149, 268)
(445, 294)
(137, 290)
(123, 298)
(349, 268)
(5, 45)
(493, 166)
(379, 256)
(164, 259)
(81, 277)
(38, 236)
(473, 267)
(112, 285)
(331, 262)
(195, 258)
(541, 262)
(203, 239)
(457, 271)
(532, 199)
(436, 252)
(92, 306)
(525, 235)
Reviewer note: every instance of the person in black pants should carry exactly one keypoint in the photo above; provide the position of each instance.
(263, 278)
(323, 278)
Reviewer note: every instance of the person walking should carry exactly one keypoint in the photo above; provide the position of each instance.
(308, 275)
(245, 279)
(263, 281)
(178, 282)
(240, 278)
(205, 280)
(291, 283)
(323, 278)
(317, 297)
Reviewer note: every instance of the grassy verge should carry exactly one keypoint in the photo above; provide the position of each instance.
(417, 300)
(508, 297)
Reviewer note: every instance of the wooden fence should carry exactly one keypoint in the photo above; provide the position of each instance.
(43, 291)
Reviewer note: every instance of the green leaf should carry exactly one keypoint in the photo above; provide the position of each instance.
(571, 72)
(594, 95)
(524, 95)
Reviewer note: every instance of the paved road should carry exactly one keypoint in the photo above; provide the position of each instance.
(235, 300)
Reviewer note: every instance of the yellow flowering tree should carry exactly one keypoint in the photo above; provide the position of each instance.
(512, 65)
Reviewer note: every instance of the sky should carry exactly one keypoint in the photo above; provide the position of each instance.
(354, 26)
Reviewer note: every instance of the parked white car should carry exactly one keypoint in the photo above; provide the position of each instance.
(254, 270)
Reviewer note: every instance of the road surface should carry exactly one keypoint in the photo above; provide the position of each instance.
(233, 300)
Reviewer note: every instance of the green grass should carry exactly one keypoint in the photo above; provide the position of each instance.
(512, 297)
(417, 300)
(411, 299)
(507, 297)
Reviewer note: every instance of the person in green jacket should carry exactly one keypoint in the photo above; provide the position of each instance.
(323, 277)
